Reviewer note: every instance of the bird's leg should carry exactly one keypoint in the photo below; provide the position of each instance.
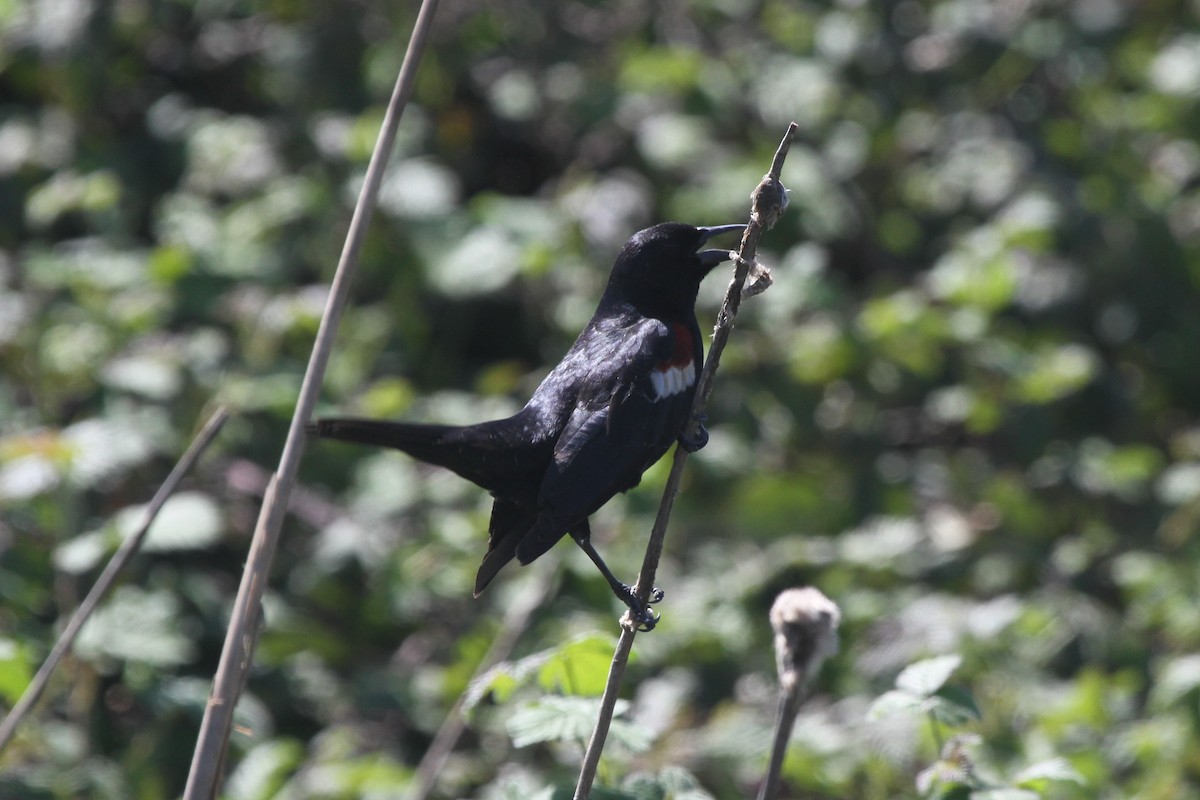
(645, 618)
(694, 441)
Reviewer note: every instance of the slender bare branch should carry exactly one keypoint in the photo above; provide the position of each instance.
(766, 204)
(515, 622)
(242, 635)
(805, 622)
(790, 698)
(109, 576)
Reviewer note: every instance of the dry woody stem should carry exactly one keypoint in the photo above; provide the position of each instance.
(767, 203)
(805, 622)
(108, 577)
(242, 635)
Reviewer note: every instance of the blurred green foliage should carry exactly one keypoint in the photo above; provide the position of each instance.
(966, 410)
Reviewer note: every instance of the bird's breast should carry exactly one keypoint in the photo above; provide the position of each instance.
(677, 373)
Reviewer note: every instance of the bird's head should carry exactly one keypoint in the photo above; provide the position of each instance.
(660, 268)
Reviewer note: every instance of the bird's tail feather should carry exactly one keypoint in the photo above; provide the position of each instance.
(447, 446)
(419, 441)
(509, 525)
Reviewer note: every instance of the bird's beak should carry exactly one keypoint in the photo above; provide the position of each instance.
(710, 258)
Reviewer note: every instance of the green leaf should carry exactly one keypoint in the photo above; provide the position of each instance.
(571, 719)
(263, 770)
(155, 376)
(578, 668)
(924, 678)
(86, 550)
(137, 625)
(661, 68)
(1043, 772)
(675, 783)
(1005, 793)
(500, 681)
(953, 706)
(15, 673)
(1053, 373)
(187, 521)
(479, 263)
(554, 719)
(894, 703)
(1177, 677)
(945, 780)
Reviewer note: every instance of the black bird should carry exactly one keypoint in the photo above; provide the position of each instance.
(611, 408)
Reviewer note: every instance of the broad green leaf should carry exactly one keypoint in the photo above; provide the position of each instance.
(945, 780)
(263, 770)
(953, 706)
(571, 719)
(1176, 678)
(893, 703)
(137, 625)
(86, 551)
(1052, 769)
(578, 668)
(480, 263)
(924, 678)
(1005, 793)
(187, 521)
(15, 672)
(676, 783)
(1053, 373)
(555, 719)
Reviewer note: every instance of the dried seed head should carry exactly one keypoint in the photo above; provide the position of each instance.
(768, 201)
(805, 623)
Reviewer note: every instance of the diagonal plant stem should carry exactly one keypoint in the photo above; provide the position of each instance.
(805, 622)
(767, 203)
(109, 576)
(790, 699)
(515, 622)
(242, 635)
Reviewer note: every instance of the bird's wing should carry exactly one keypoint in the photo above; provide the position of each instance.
(629, 411)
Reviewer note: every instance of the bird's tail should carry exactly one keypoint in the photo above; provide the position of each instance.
(467, 450)
(419, 441)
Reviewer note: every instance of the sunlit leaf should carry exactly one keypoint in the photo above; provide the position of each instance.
(1050, 770)
(137, 625)
(895, 703)
(481, 262)
(953, 706)
(578, 668)
(263, 770)
(571, 719)
(1177, 677)
(1004, 793)
(1054, 373)
(15, 671)
(553, 719)
(925, 678)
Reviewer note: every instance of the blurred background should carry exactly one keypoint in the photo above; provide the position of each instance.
(966, 410)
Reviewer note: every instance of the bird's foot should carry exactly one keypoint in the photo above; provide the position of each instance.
(693, 441)
(640, 617)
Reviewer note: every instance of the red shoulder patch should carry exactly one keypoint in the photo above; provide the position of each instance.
(684, 352)
(677, 373)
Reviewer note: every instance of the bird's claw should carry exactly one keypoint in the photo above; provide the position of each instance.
(693, 441)
(640, 617)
